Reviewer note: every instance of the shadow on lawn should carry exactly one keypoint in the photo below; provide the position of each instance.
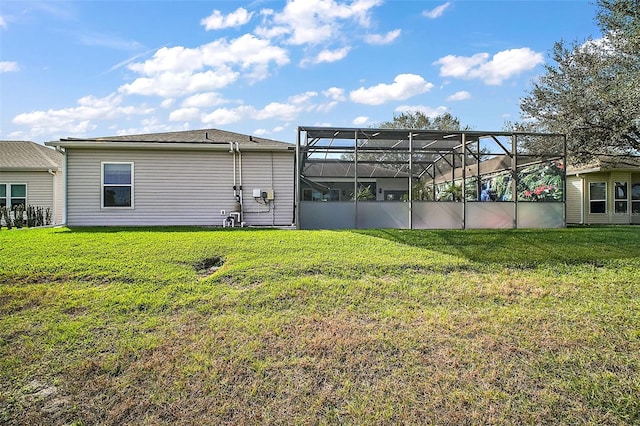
(524, 248)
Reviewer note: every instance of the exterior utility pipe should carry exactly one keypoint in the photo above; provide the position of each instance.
(232, 151)
(240, 172)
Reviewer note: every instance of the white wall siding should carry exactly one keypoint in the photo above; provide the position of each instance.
(40, 187)
(172, 187)
(58, 197)
(264, 170)
(575, 199)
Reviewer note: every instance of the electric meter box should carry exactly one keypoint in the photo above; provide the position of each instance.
(270, 194)
(267, 194)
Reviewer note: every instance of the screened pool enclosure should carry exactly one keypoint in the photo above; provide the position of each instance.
(423, 179)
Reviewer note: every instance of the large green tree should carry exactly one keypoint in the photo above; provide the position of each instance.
(591, 91)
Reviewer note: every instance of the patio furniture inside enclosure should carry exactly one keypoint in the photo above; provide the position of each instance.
(421, 179)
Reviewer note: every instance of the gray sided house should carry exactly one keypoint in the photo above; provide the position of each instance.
(604, 192)
(31, 175)
(197, 177)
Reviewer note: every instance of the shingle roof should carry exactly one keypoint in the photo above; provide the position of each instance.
(203, 136)
(607, 163)
(26, 155)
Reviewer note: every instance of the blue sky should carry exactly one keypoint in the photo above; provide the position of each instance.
(103, 68)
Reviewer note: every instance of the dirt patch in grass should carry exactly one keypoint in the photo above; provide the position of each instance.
(47, 404)
(208, 266)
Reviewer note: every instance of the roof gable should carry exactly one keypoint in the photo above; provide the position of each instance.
(27, 155)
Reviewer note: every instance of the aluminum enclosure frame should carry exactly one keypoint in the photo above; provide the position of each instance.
(428, 179)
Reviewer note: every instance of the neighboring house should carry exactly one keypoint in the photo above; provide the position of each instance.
(196, 177)
(334, 182)
(604, 192)
(31, 175)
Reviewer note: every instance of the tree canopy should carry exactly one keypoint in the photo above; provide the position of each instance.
(419, 120)
(590, 91)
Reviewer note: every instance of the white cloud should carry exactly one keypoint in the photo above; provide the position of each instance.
(403, 87)
(274, 110)
(329, 56)
(315, 21)
(302, 98)
(460, 66)
(170, 59)
(224, 116)
(359, 121)
(217, 20)
(265, 132)
(279, 111)
(78, 120)
(382, 39)
(179, 70)
(185, 114)
(267, 12)
(167, 103)
(459, 96)
(203, 100)
(335, 93)
(6, 66)
(3, 23)
(436, 12)
(502, 66)
(326, 107)
(170, 84)
(426, 110)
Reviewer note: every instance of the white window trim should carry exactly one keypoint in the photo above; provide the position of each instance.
(132, 185)
(606, 188)
(8, 196)
(616, 199)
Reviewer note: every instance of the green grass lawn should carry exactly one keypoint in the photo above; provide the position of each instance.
(125, 326)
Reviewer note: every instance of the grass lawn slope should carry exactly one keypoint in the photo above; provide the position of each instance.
(191, 326)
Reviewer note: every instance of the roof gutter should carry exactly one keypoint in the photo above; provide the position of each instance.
(27, 169)
(159, 145)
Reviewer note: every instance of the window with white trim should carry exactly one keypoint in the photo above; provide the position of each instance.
(597, 197)
(620, 196)
(13, 194)
(117, 185)
(635, 198)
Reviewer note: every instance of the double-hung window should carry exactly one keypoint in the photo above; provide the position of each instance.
(635, 198)
(117, 185)
(597, 197)
(13, 194)
(620, 195)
